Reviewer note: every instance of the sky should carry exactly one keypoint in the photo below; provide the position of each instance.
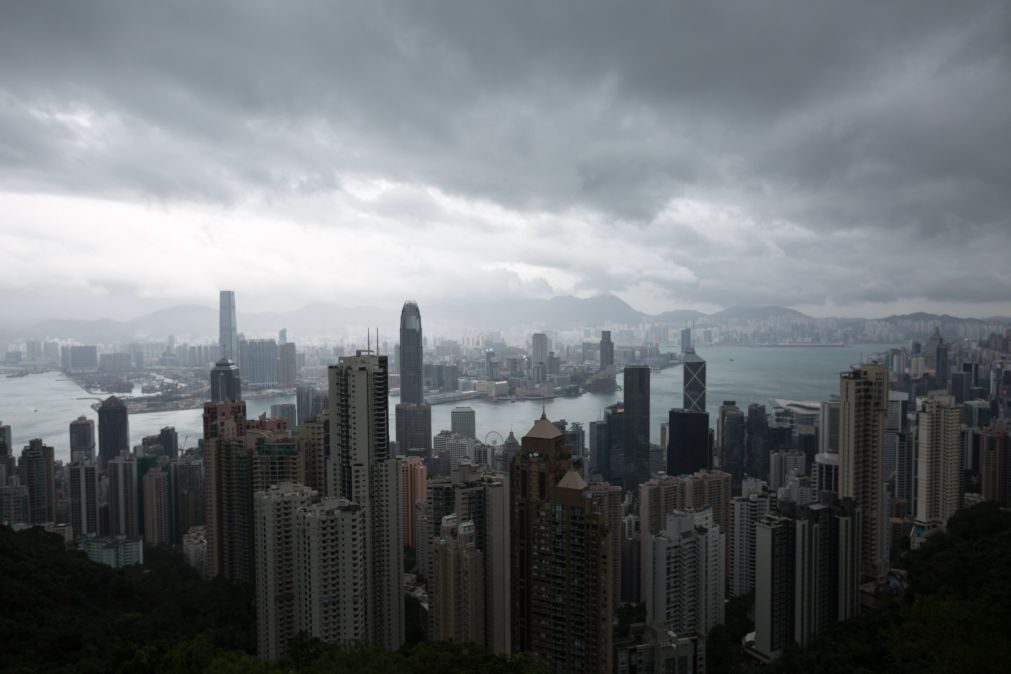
(845, 158)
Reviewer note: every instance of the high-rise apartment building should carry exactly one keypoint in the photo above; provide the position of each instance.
(228, 480)
(287, 365)
(123, 496)
(636, 392)
(83, 483)
(226, 384)
(694, 367)
(228, 335)
(539, 347)
(157, 508)
(996, 464)
(113, 430)
(258, 363)
(463, 421)
(187, 493)
(313, 442)
(415, 485)
(36, 470)
(606, 350)
(683, 584)
(457, 611)
(363, 472)
(309, 403)
(561, 554)
(277, 615)
(331, 571)
(483, 499)
(745, 512)
(939, 462)
(82, 439)
(863, 398)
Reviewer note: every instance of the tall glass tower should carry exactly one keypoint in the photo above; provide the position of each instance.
(694, 381)
(228, 336)
(412, 380)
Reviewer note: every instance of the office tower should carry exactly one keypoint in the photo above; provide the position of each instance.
(897, 436)
(636, 392)
(36, 470)
(286, 411)
(745, 511)
(412, 380)
(939, 474)
(259, 364)
(684, 577)
(863, 397)
(456, 447)
(228, 339)
(688, 448)
(463, 421)
(287, 365)
(15, 502)
(186, 495)
(606, 350)
(557, 533)
(6, 440)
(331, 571)
(414, 426)
(362, 471)
(309, 403)
(758, 442)
(539, 348)
(228, 480)
(113, 430)
(457, 610)
(996, 464)
(694, 381)
(123, 496)
(83, 484)
(481, 498)
(277, 618)
(157, 510)
(732, 430)
(82, 439)
(608, 436)
(226, 384)
(415, 484)
(313, 445)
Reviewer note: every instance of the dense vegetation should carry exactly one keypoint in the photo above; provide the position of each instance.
(955, 618)
(59, 612)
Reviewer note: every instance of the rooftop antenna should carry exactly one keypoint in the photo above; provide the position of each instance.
(368, 341)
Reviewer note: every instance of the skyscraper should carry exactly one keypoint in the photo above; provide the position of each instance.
(228, 480)
(309, 403)
(745, 511)
(82, 439)
(277, 615)
(84, 495)
(124, 496)
(259, 366)
(636, 392)
(228, 336)
(732, 429)
(694, 381)
(412, 379)
(363, 472)
(939, 469)
(688, 438)
(415, 479)
(414, 426)
(561, 558)
(863, 397)
(157, 510)
(606, 350)
(36, 470)
(287, 364)
(457, 610)
(113, 430)
(539, 349)
(463, 421)
(226, 385)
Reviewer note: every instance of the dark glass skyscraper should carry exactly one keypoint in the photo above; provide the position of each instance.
(113, 430)
(412, 382)
(688, 442)
(226, 386)
(606, 350)
(636, 391)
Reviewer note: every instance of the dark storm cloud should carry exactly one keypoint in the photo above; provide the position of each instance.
(855, 152)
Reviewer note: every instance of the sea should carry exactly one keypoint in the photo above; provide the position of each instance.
(43, 405)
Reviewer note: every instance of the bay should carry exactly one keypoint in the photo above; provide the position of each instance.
(43, 405)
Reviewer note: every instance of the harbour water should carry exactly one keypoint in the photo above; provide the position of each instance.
(43, 405)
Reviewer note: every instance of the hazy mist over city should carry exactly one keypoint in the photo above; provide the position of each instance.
(526, 337)
(843, 160)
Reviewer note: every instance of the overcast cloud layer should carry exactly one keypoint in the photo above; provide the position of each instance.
(843, 160)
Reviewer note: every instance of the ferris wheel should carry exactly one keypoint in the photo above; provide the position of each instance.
(495, 437)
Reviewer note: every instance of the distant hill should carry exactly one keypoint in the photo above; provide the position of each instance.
(757, 313)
